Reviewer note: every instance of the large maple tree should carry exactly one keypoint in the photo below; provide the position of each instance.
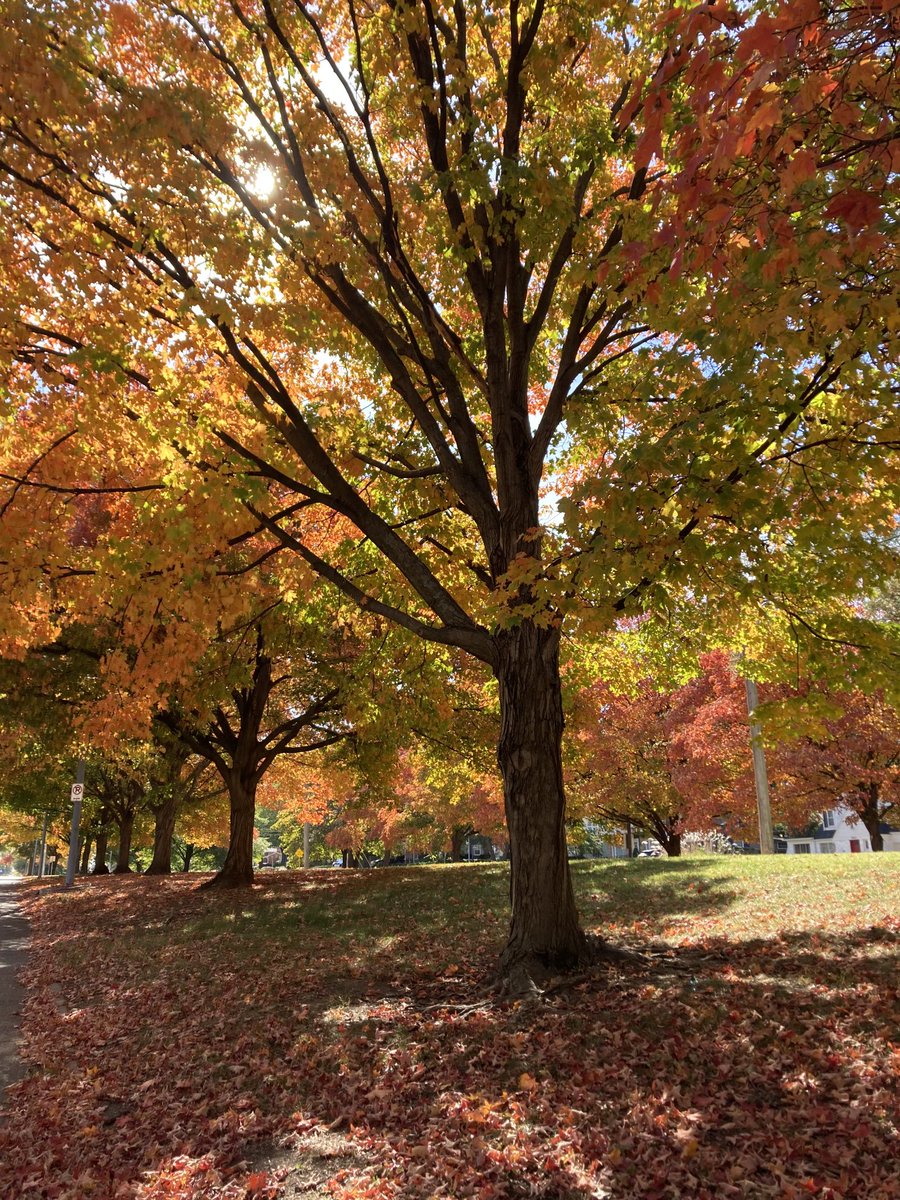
(420, 265)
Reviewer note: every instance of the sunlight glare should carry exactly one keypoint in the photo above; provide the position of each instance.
(264, 183)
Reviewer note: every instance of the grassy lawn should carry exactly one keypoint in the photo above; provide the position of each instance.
(189, 1045)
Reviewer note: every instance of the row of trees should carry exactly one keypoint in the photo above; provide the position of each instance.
(491, 328)
(663, 760)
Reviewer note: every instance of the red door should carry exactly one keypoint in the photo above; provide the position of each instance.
(854, 846)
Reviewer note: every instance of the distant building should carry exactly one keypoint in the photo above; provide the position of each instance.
(840, 833)
(273, 857)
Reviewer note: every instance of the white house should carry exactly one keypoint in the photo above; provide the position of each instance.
(838, 833)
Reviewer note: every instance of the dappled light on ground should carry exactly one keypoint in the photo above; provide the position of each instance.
(178, 1041)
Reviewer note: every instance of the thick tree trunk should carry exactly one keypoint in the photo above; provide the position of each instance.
(125, 826)
(163, 832)
(871, 817)
(85, 854)
(672, 845)
(237, 870)
(544, 929)
(459, 835)
(100, 865)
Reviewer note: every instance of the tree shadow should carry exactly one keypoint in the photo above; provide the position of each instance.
(757, 1069)
(645, 896)
(750, 1068)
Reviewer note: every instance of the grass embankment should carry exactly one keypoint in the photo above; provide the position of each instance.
(176, 1037)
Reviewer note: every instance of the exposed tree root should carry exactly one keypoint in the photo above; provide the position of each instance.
(601, 951)
(226, 880)
(529, 978)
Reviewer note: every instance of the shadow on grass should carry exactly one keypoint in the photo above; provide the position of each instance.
(763, 1068)
(643, 896)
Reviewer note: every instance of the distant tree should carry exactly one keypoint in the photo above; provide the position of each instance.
(262, 715)
(852, 761)
(675, 759)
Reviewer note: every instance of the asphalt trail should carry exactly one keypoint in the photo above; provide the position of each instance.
(13, 951)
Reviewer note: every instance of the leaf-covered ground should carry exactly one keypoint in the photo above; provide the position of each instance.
(183, 1044)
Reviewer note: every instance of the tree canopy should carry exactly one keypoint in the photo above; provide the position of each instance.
(499, 320)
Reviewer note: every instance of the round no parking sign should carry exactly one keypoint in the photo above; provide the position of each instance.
(77, 792)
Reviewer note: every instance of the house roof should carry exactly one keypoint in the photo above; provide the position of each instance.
(821, 834)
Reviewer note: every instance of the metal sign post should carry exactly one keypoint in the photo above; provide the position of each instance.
(77, 797)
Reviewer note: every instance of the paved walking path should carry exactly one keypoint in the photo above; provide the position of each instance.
(13, 942)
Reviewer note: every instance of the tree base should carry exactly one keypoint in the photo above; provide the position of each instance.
(228, 879)
(157, 870)
(523, 975)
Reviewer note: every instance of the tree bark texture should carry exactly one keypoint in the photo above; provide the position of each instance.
(544, 926)
(163, 832)
(237, 870)
(126, 826)
(85, 854)
(186, 855)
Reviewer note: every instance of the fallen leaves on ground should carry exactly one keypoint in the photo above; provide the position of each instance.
(174, 1037)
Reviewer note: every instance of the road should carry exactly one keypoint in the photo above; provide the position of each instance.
(13, 946)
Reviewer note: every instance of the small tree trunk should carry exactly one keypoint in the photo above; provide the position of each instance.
(186, 856)
(100, 867)
(544, 928)
(237, 870)
(163, 832)
(349, 858)
(86, 854)
(126, 826)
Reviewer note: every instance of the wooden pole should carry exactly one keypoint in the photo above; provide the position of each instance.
(760, 775)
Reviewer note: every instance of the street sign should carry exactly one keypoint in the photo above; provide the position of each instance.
(77, 792)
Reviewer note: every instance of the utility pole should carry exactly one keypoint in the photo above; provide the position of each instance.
(77, 797)
(305, 844)
(760, 776)
(43, 847)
